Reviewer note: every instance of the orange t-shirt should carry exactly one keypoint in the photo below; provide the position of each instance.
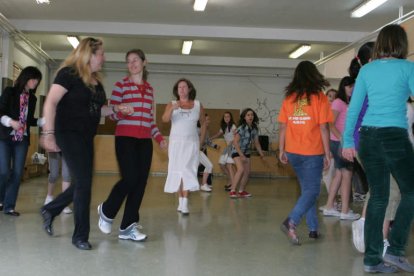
(303, 135)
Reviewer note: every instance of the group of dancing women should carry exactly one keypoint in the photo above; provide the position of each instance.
(76, 102)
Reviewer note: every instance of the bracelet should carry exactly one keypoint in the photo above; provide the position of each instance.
(113, 109)
(47, 132)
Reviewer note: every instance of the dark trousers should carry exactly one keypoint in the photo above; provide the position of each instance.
(78, 151)
(383, 151)
(134, 159)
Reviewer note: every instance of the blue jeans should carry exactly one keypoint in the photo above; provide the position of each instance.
(12, 160)
(383, 151)
(308, 169)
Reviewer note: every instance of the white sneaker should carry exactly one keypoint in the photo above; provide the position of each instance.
(205, 188)
(331, 213)
(104, 224)
(48, 199)
(349, 216)
(184, 206)
(322, 208)
(132, 233)
(67, 210)
(180, 204)
(358, 234)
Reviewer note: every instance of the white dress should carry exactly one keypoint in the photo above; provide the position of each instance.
(183, 150)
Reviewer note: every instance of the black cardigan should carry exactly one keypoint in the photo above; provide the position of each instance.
(10, 106)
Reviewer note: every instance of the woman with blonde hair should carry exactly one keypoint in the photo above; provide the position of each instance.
(72, 112)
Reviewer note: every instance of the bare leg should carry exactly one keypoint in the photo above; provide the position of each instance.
(230, 171)
(50, 188)
(345, 189)
(205, 177)
(333, 189)
(65, 185)
(245, 178)
(239, 173)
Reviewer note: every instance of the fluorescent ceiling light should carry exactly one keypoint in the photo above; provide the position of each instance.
(200, 5)
(73, 40)
(43, 2)
(366, 7)
(186, 47)
(300, 51)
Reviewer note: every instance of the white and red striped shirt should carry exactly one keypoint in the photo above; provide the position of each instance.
(141, 123)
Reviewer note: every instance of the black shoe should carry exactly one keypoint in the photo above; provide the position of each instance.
(12, 213)
(227, 187)
(47, 221)
(314, 235)
(82, 245)
(289, 228)
(1, 207)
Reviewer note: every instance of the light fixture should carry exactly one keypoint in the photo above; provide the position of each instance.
(73, 40)
(43, 2)
(200, 5)
(186, 47)
(300, 51)
(366, 7)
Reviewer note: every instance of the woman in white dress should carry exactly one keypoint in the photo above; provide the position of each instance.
(184, 142)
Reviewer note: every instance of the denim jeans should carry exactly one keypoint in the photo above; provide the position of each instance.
(383, 151)
(12, 160)
(308, 169)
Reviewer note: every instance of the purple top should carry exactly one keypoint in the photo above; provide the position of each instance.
(359, 122)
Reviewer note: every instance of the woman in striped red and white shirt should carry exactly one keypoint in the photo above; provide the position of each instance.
(133, 145)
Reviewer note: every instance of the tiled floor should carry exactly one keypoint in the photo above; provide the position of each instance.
(221, 236)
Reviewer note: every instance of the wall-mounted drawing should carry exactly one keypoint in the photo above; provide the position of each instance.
(267, 119)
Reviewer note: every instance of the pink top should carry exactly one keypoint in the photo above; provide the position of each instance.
(340, 107)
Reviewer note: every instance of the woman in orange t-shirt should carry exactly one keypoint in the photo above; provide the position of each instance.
(304, 143)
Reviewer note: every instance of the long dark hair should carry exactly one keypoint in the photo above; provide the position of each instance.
(224, 125)
(363, 57)
(141, 55)
(242, 121)
(28, 73)
(307, 80)
(392, 41)
(345, 81)
(191, 89)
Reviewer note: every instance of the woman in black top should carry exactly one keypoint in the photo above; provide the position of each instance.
(72, 112)
(17, 107)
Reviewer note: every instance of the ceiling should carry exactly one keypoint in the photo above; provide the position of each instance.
(257, 33)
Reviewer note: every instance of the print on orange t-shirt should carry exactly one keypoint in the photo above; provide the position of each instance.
(303, 135)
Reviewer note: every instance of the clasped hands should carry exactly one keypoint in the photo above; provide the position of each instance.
(125, 109)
